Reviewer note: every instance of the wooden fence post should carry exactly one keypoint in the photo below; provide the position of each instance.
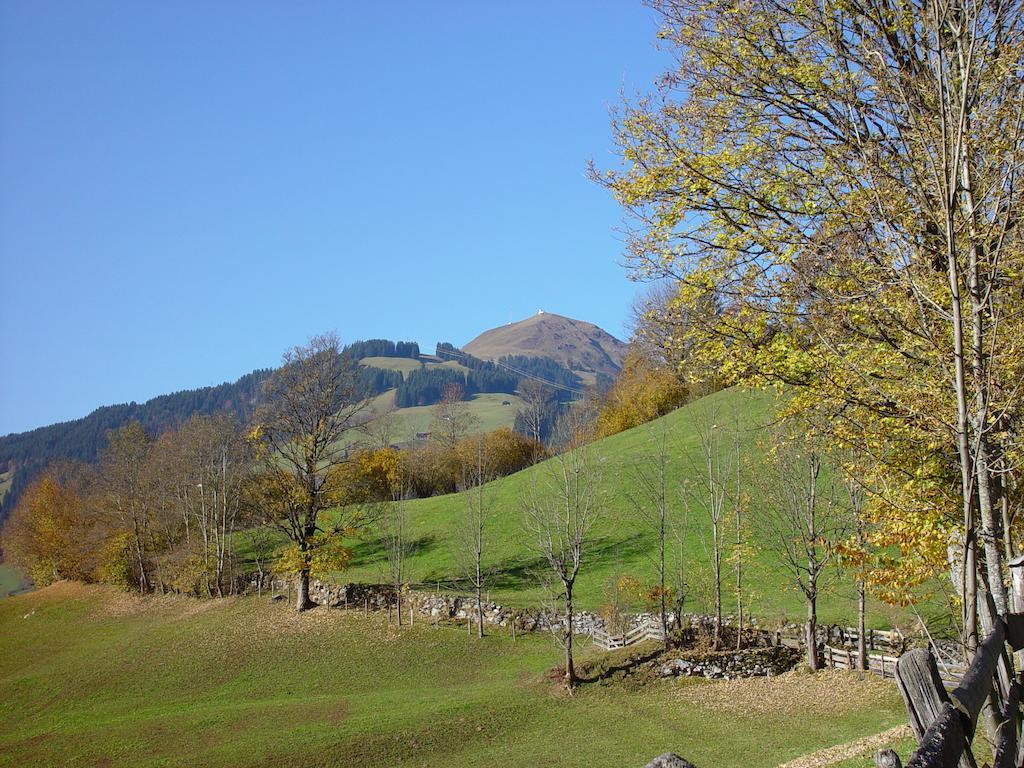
(917, 678)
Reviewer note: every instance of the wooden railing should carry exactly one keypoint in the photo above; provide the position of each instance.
(844, 658)
(874, 639)
(945, 723)
(649, 629)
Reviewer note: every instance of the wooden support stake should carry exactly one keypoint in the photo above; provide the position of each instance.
(917, 678)
(944, 743)
(976, 684)
(1006, 747)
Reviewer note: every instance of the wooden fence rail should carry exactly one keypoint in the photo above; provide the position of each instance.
(944, 723)
(646, 630)
(844, 658)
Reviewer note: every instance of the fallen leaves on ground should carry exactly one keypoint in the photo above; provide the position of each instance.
(794, 693)
(851, 749)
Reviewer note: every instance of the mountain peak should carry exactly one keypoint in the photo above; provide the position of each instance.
(579, 345)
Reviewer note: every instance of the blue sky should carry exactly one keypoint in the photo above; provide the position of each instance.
(189, 188)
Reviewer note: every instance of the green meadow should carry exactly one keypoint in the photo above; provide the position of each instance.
(94, 677)
(622, 543)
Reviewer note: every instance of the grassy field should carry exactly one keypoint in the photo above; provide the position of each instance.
(407, 422)
(487, 408)
(402, 364)
(622, 544)
(407, 364)
(94, 677)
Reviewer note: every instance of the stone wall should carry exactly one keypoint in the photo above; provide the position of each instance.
(445, 607)
(439, 606)
(753, 662)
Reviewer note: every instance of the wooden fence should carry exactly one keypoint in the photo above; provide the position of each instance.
(648, 629)
(945, 723)
(885, 666)
(844, 658)
(874, 639)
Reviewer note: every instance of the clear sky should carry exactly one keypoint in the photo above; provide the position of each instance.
(188, 188)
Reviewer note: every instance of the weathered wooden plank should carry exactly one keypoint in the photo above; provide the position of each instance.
(917, 678)
(976, 684)
(1015, 631)
(1006, 746)
(943, 743)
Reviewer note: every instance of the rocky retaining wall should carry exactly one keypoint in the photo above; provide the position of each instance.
(439, 606)
(729, 665)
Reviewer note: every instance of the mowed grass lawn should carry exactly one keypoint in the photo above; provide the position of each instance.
(90, 676)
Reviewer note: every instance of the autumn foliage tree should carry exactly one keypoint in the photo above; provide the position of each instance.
(842, 183)
(51, 534)
(644, 390)
(312, 401)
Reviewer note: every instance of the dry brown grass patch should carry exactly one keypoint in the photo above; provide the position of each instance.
(830, 693)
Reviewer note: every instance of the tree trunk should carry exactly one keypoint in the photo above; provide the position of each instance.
(570, 667)
(661, 572)
(479, 609)
(718, 589)
(302, 602)
(812, 633)
(968, 588)
(862, 643)
(143, 576)
(739, 599)
(980, 415)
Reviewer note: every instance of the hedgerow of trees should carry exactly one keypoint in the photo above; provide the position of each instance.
(833, 192)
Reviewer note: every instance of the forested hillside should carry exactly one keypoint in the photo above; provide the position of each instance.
(24, 455)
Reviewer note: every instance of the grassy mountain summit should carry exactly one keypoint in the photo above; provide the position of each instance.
(579, 345)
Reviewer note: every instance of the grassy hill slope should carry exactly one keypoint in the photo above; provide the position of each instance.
(171, 681)
(487, 408)
(622, 544)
